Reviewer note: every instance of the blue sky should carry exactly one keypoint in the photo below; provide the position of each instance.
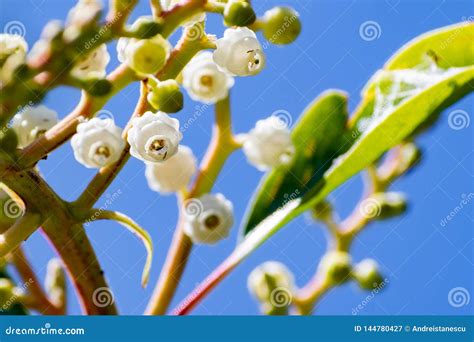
(422, 259)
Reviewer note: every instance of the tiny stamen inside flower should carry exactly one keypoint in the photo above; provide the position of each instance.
(212, 222)
(158, 146)
(255, 60)
(103, 151)
(206, 81)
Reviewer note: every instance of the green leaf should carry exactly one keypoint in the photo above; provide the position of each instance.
(388, 129)
(318, 140)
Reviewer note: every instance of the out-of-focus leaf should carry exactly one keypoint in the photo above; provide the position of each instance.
(318, 139)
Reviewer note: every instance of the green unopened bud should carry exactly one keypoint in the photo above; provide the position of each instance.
(166, 96)
(8, 140)
(322, 211)
(409, 156)
(145, 28)
(272, 284)
(367, 274)
(147, 56)
(281, 25)
(7, 292)
(98, 87)
(388, 204)
(239, 13)
(55, 282)
(336, 266)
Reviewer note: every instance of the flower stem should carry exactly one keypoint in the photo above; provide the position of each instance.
(220, 148)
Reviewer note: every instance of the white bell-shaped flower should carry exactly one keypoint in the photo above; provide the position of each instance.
(144, 56)
(154, 137)
(97, 143)
(239, 52)
(81, 15)
(204, 81)
(267, 277)
(169, 4)
(92, 64)
(32, 122)
(173, 174)
(208, 219)
(269, 144)
(12, 54)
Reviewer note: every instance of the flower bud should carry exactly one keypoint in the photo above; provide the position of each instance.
(7, 293)
(208, 219)
(336, 266)
(98, 87)
(93, 64)
(281, 25)
(269, 144)
(8, 140)
(239, 13)
(204, 81)
(367, 274)
(239, 52)
(409, 156)
(97, 143)
(146, 56)
(390, 204)
(272, 284)
(322, 211)
(32, 122)
(173, 174)
(146, 27)
(166, 96)
(154, 137)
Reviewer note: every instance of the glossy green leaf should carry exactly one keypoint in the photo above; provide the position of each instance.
(318, 139)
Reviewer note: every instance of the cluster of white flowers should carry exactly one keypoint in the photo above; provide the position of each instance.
(12, 54)
(155, 137)
(32, 122)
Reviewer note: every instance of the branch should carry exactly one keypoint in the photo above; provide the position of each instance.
(220, 148)
(20, 231)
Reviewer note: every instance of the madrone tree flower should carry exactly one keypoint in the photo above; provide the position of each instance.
(208, 219)
(12, 54)
(93, 64)
(97, 143)
(239, 52)
(204, 81)
(269, 144)
(32, 122)
(173, 174)
(154, 137)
